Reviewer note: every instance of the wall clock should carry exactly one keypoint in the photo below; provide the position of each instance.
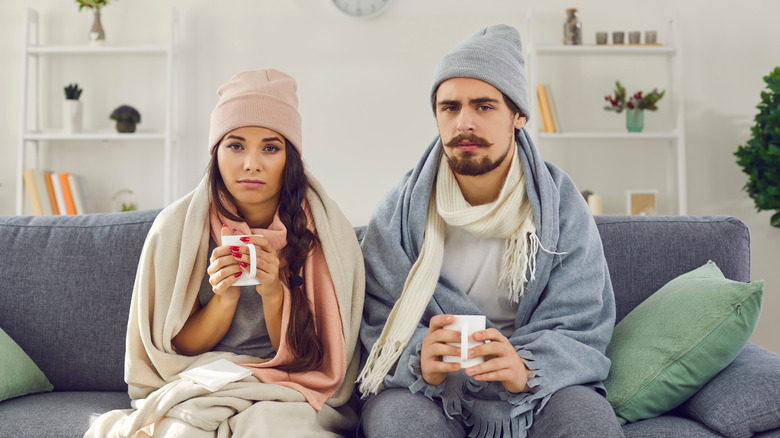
(362, 9)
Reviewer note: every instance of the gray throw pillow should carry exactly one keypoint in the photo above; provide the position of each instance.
(743, 399)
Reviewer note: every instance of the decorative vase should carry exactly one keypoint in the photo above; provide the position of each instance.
(635, 120)
(71, 116)
(96, 35)
(572, 28)
(125, 127)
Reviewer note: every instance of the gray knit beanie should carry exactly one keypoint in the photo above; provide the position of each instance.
(494, 55)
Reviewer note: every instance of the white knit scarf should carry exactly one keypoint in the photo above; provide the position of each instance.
(509, 217)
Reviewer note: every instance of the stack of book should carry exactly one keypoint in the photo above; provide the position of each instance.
(53, 193)
(547, 109)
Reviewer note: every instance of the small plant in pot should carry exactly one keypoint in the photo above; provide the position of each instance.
(71, 109)
(126, 118)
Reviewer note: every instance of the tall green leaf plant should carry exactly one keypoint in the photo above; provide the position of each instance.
(760, 157)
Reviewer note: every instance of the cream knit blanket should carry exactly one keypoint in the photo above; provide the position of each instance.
(174, 259)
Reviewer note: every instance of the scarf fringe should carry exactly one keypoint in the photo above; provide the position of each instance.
(519, 264)
(381, 360)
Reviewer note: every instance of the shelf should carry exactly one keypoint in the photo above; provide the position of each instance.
(55, 135)
(667, 142)
(101, 50)
(609, 135)
(606, 50)
(38, 58)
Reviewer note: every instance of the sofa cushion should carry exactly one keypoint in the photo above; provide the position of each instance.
(57, 414)
(71, 317)
(18, 373)
(668, 426)
(743, 399)
(675, 341)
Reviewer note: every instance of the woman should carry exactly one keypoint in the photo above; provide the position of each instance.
(296, 331)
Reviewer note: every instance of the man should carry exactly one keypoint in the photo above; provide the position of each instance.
(482, 225)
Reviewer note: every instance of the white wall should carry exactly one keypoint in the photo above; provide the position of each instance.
(363, 88)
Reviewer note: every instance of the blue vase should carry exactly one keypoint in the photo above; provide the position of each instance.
(635, 120)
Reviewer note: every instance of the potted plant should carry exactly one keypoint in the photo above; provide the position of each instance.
(634, 106)
(71, 109)
(126, 118)
(760, 156)
(97, 37)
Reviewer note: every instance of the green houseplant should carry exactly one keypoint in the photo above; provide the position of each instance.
(634, 106)
(760, 156)
(126, 118)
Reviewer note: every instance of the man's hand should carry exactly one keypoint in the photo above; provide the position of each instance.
(502, 363)
(434, 346)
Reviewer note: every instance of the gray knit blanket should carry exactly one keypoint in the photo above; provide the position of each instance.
(565, 318)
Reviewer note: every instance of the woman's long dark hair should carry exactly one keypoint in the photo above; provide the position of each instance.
(301, 333)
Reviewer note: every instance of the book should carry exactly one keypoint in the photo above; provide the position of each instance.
(553, 109)
(55, 181)
(67, 196)
(40, 184)
(81, 199)
(544, 108)
(33, 194)
(52, 197)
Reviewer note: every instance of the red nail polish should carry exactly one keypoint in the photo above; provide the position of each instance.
(237, 274)
(234, 248)
(244, 239)
(242, 264)
(236, 255)
(224, 225)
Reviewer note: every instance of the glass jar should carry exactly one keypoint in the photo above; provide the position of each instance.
(572, 28)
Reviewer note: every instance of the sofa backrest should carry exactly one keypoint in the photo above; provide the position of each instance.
(65, 288)
(645, 252)
(66, 281)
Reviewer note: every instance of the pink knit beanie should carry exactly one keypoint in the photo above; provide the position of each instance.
(264, 98)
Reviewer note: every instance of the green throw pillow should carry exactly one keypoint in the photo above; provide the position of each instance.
(674, 342)
(18, 373)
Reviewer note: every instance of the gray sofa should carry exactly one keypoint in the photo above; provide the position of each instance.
(66, 282)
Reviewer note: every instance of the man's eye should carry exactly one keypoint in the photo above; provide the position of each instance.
(484, 107)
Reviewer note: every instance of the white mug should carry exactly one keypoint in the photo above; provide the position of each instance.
(466, 325)
(246, 278)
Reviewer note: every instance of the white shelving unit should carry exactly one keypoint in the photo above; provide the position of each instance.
(672, 141)
(33, 134)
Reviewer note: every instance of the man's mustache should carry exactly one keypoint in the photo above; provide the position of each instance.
(479, 141)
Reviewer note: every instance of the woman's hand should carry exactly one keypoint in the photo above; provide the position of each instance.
(267, 264)
(224, 270)
(267, 273)
(502, 363)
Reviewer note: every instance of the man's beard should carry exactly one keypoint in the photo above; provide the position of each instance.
(467, 164)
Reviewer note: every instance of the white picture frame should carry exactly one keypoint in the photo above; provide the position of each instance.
(642, 202)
